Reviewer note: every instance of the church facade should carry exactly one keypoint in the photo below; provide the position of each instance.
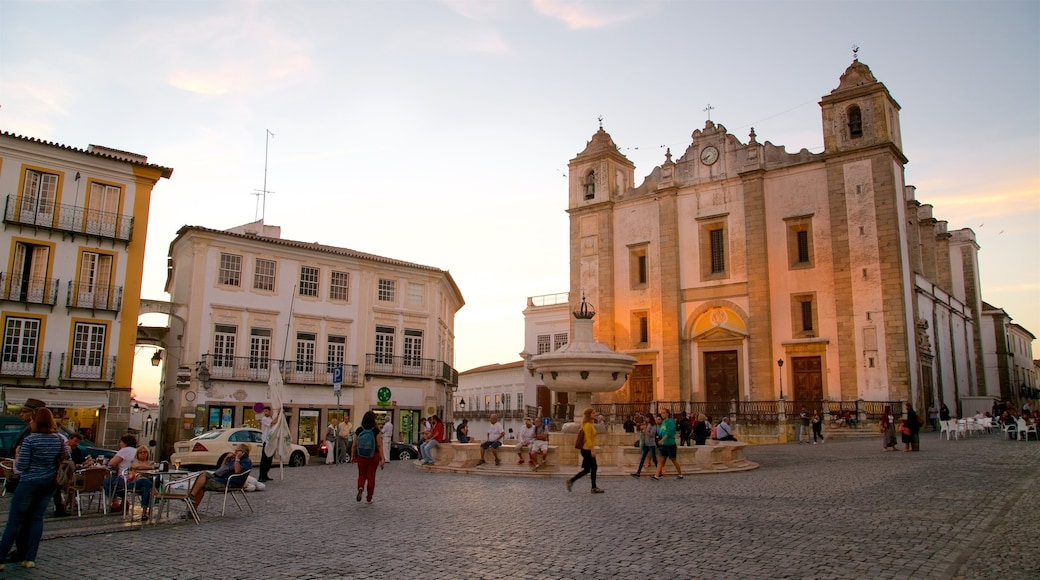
(740, 271)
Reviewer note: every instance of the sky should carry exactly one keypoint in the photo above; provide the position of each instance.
(439, 131)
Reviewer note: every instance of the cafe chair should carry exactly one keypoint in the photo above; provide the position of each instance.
(945, 428)
(90, 486)
(235, 487)
(1011, 430)
(1024, 430)
(175, 490)
(6, 471)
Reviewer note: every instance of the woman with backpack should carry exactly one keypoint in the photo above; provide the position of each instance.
(367, 452)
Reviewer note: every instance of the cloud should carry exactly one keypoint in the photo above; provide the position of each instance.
(579, 14)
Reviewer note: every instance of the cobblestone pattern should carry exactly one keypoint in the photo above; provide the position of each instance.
(963, 509)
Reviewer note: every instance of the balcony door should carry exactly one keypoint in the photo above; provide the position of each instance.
(88, 351)
(29, 275)
(95, 280)
(38, 198)
(102, 208)
(21, 342)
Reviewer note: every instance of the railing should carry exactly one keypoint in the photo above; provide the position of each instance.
(244, 368)
(94, 297)
(748, 411)
(30, 290)
(39, 368)
(68, 218)
(87, 368)
(527, 411)
(548, 299)
(411, 367)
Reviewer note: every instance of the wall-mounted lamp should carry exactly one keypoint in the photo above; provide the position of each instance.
(202, 372)
(157, 358)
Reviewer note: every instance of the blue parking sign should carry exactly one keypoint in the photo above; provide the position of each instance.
(337, 375)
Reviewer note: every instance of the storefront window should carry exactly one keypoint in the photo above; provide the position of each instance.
(221, 418)
(339, 414)
(307, 430)
(250, 418)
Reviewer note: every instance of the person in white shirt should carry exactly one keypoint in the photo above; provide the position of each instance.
(387, 433)
(494, 440)
(524, 440)
(266, 420)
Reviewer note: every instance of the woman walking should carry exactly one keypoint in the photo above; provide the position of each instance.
(912, 433)
(367, 451)
(888, 429)
(817, 426)
(588, 451)
(648, 444)
(37, 461)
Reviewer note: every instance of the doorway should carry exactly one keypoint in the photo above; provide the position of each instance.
(722, 376)
(807, 372)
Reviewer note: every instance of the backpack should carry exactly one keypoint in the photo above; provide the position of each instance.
(366, 444)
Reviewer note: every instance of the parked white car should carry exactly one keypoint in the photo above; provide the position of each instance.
(210, 449)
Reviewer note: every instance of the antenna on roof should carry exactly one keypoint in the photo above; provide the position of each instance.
(261, 194)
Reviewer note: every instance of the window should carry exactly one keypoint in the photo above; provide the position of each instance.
(259, 348)
(799, 242)
(95, 279)
(230, 272)
(308, 281)
(559, 340)
(21, 345)
(29, 282)
(415, 294)
(88, 351)
(263, 274)
(387, 290)
(103, 209)
(336, 351)
(855, 122)
(39, 195)
(544, 343)
(804, 317)
(590, 185)
(413, 348)
(224, 345)
(638, 267)
(384, 345)
(221, 417)
(520, 401)
(339, 286)
(305, 342)
(712, 247)
(640, 329)
(718, 252)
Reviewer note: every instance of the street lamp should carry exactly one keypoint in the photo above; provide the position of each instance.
(780, 363)
(157, 358)
(462, 404)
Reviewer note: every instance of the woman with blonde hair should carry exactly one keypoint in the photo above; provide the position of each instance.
(588, 450)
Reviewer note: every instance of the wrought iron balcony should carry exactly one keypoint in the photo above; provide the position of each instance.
(68, 218)
(35, 365)
(244, 368)
(94, 297)
(28, 290)
(411, 367)
(76, 367)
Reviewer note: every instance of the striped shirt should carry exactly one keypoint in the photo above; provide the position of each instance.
(36, 458)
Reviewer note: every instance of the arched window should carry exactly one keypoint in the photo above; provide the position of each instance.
(590, 185)
(855, 122)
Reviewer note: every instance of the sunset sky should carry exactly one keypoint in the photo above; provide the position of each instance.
(439, 132)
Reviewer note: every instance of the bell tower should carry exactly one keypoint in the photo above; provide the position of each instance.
(599, 176)
(860, 113)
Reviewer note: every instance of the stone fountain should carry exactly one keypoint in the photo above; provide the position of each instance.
(582, 367)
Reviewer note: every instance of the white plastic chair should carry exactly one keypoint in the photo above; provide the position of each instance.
(944, 427)
(1011, 429)
(962, 428)
(1024, 430)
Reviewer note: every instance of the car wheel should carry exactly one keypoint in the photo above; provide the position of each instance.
(297, 459)
(405, 455)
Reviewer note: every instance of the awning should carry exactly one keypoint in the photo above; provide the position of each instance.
(65, 398)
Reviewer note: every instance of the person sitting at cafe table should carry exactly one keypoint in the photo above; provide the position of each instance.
(123, 462)
(234, 463)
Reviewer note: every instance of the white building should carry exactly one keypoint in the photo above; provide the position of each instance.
(75, 225)
(1007, 350)
(244, 299)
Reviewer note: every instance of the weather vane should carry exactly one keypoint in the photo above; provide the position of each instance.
(708, 110)
(600, 119)
(855, 52)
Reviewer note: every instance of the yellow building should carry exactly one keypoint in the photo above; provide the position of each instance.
(739, 256)
(75, 225)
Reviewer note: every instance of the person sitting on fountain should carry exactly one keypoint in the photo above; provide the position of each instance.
(494, 440)
(724, 431)
(524, 441)
(540, 444)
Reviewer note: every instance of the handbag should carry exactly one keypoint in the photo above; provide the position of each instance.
(904, 429)
(579, 443)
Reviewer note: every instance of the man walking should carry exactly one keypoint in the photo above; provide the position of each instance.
(343, 440)
(803, 425)
(387, 433)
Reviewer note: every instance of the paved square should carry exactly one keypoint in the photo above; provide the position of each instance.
(843, 509)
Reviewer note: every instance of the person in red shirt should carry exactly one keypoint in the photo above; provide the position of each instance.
(436, 438)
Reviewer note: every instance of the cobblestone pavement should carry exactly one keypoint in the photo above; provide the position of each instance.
(959, 509)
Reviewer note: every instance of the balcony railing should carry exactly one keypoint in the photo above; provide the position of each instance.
(87, 368)
(244, 368)
(28, 290)
(68, 218)
(39, 367)
(410, 367)
(94, 297)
